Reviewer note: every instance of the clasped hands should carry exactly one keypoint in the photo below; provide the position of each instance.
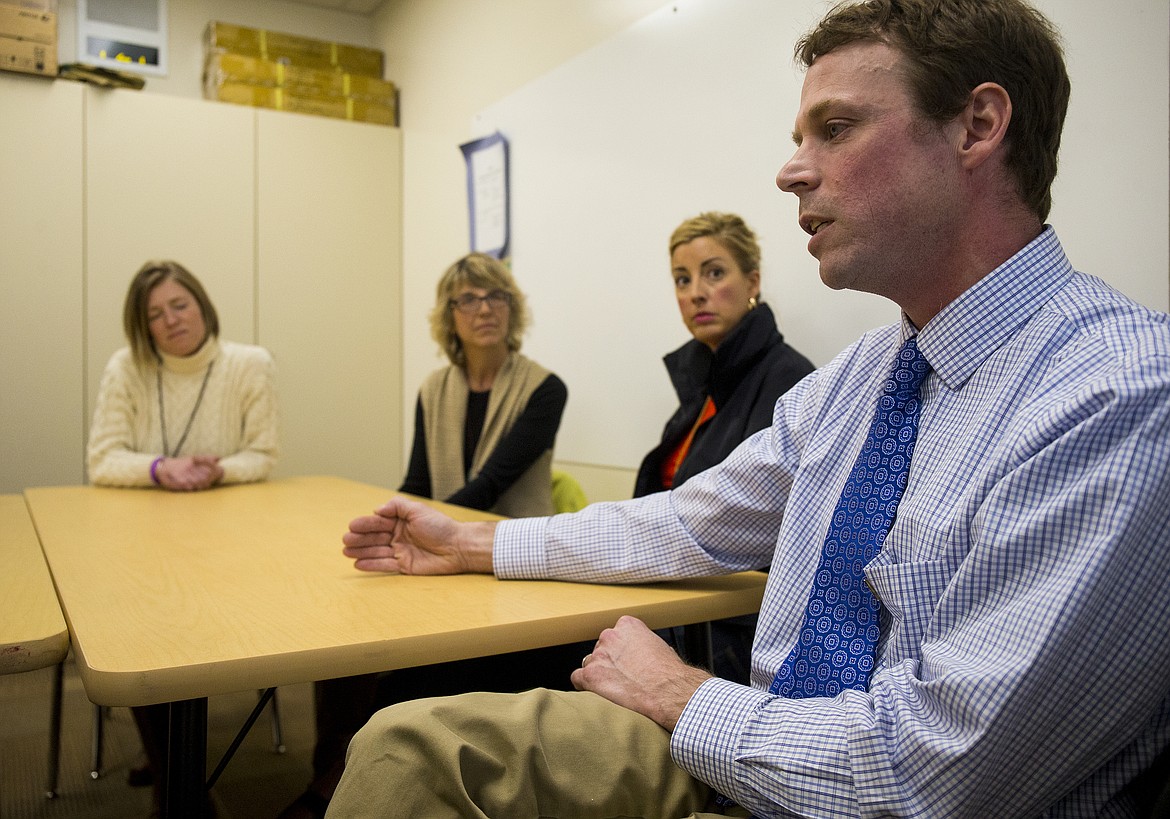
(630, 665)
(190, 473)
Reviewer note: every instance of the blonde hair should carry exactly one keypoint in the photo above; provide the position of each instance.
(476, 270)
(135, 318)
(729, 229)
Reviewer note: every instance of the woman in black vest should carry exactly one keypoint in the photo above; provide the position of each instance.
(727, 377)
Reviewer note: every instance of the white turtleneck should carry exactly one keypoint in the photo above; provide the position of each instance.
(236, 419)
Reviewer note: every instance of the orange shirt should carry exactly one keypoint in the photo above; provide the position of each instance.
(671, 464)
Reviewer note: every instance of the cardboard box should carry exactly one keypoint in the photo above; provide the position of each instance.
(280, 99)
(22, 23)
(28, 57)
(372, 112)
(223, 67)
(360, 87)
(291, 49)
(226, 67)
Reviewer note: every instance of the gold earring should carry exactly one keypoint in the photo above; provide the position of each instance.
(752, 303)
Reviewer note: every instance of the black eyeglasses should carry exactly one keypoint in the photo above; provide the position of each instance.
(469, 302)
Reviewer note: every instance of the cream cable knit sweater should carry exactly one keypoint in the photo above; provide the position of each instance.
(237, 419)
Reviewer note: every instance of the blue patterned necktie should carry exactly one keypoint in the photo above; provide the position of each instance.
(835, 649)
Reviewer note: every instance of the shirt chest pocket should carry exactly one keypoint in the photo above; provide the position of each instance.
(909, 593)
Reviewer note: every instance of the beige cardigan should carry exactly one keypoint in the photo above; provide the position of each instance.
(444, 401)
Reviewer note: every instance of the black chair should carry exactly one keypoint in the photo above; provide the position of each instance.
(99, 712)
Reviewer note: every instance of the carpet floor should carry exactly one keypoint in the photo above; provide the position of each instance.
(257, 784)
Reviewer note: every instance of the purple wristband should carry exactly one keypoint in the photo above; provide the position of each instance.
(154, 469)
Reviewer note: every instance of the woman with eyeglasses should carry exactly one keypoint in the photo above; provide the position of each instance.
(485, 425)
(484, 428)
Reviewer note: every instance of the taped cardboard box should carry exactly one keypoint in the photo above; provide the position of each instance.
(238, 68)
(376, 113)
(226, 67)
(223, 67)
(382, 92)
(280, 99)
(28, 57)
(36, 24)
(291, 49)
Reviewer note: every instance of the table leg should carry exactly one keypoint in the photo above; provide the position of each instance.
(55, 730)
(184, 794)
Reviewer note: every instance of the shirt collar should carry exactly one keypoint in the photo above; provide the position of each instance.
(976, 324)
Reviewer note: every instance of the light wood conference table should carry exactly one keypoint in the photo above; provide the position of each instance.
(32, 628)
(172, 597)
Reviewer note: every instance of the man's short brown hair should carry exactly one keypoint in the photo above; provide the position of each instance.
(952, 46)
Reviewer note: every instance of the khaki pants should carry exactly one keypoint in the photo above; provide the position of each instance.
(565, 754)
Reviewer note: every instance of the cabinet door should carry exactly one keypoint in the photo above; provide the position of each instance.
(330, 226)
(41, 377)
(167, 178)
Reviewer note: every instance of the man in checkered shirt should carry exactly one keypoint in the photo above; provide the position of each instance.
(1023, 665)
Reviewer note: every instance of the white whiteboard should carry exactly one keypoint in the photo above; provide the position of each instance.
(691, 109)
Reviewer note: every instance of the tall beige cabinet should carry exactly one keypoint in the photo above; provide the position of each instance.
(42, 416)
(329, 245)
(292, 222)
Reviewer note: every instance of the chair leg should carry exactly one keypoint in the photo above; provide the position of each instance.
(99, 727)
(277, 733)
(55, 730)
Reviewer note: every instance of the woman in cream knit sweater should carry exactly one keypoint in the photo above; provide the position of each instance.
(182, 410)
(178, 408)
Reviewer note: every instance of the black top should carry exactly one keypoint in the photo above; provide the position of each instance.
(534, 432)
(744, 377)
(477, 405)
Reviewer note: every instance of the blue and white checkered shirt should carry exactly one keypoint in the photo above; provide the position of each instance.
(1024, 662)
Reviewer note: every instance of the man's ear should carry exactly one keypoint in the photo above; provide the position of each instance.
(985, 122)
